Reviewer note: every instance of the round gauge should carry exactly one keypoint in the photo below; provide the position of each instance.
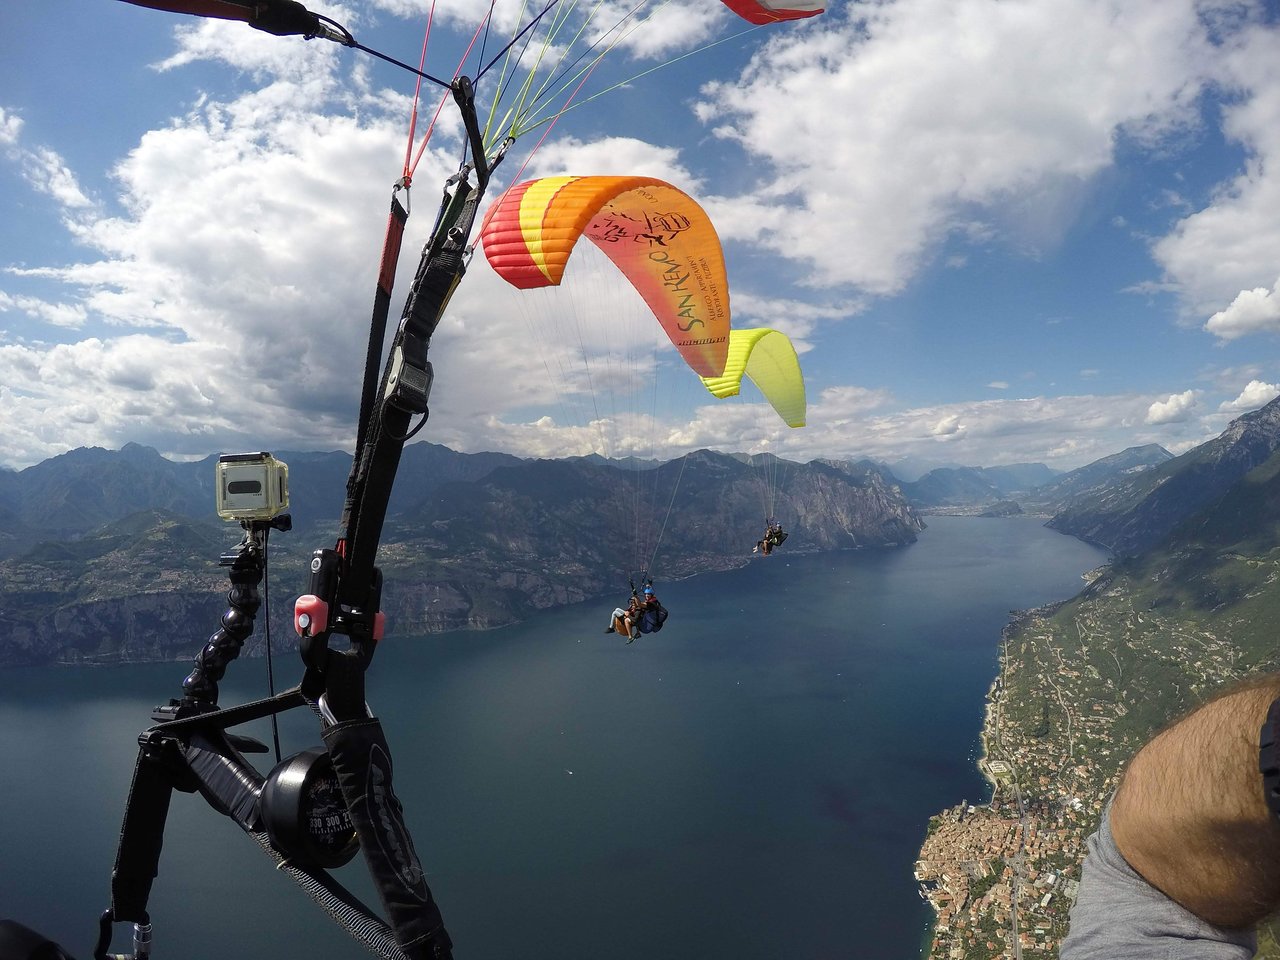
(303, 810)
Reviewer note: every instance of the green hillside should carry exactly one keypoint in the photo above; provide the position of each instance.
(1082, 686)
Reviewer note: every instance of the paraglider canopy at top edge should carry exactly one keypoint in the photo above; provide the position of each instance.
(766, 11)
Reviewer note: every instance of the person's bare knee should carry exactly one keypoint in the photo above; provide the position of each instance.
(1190, 814)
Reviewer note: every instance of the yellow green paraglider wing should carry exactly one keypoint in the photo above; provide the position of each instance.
(769, 361)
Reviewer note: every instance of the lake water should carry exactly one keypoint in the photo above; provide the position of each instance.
(753, 782)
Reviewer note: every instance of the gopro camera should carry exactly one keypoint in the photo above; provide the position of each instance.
(251, 486)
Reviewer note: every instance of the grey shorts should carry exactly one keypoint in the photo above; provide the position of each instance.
(1119, 916)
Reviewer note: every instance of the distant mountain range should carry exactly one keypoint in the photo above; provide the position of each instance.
(973, 486)
(73, 494)
(1127, 503)
(1136, 511)
(1034, 486)
(1097, 475)
(113, 554)
(1209, 528)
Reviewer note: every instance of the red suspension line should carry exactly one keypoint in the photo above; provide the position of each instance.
(410, 168)
(417, 90)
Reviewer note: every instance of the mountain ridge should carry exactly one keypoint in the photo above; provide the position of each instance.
(471, 541)
(1136, 512)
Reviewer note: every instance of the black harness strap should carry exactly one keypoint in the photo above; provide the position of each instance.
(391, 245)
(406, 381)
(405, 389)
(362, 762)
(141, 837)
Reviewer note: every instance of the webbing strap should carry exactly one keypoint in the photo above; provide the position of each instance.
(406, 381)
(141, 837)
(391, 245)
(342, 906)
(362, 762)
(374, 474)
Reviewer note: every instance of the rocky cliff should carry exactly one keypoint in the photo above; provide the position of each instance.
(469, 543)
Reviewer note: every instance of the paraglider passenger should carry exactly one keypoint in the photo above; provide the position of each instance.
(625, 620)
(652, 613)
(644, 614)
(773, 535)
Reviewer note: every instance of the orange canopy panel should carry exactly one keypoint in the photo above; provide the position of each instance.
(657, 235)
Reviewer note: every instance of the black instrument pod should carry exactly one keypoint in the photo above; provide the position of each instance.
(304, 812)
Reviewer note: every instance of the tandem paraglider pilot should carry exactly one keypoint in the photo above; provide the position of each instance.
(773, 536)
(643, 614)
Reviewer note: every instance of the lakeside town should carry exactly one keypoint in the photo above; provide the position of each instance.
(1066, 711)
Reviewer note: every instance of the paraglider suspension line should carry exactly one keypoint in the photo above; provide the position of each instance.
(554, 82)
(516, 39)
(399, 63)
(667, 516)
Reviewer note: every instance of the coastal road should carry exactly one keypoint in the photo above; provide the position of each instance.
(1013, 912)
(1016, 861)
(1018, 866)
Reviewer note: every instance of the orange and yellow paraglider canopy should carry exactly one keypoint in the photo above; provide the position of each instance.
(657, 235)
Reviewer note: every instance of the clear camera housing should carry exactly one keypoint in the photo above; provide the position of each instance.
(251, 486)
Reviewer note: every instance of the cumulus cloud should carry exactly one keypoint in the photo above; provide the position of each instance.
(640, 30)
(961, 71)
(260, 54)
(1064, 432)
(41, 167)
(1253, 396)
(798, 319)
(1233, 242)
(1176, 408)
(1252, 311)
(10, 127)
(222, 307)
(948, 427)
(237, 290)
(612, 156)
(70, 315)
(1228, 379)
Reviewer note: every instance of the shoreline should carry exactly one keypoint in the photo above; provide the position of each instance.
(973, 826)
(414, 625)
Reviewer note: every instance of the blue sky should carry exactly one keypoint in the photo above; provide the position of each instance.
(996, 231)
